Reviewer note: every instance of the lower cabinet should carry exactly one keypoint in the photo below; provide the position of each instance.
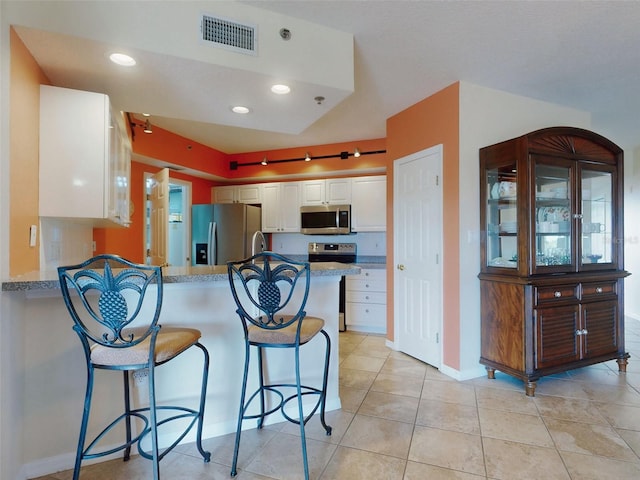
(366, 301)
(530, 330)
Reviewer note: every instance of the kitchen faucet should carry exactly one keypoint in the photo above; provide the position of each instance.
(258, 235)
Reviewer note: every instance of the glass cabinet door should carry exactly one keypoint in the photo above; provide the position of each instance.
(596, 216)
(553, 217)
(502, 217)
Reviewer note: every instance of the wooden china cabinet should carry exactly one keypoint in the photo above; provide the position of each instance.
(552, 269)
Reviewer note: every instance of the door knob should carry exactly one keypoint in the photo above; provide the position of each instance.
(400, 266)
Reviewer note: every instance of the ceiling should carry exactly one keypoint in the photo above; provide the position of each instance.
(584, 55)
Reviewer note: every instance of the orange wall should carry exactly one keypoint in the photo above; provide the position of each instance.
(430, 122)
(24, 117)
(177, 150)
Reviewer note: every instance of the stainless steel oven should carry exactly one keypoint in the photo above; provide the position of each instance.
(334, 252)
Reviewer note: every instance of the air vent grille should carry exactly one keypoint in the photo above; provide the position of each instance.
(229, 34)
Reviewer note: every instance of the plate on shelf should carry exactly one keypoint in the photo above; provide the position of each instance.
(553, 214)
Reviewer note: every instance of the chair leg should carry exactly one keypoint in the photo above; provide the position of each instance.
(84, 423)
(327, 428)
(203, 396)
(261, 377)
(303, 437)
(241, 411)
(153, 420)
(127, 411)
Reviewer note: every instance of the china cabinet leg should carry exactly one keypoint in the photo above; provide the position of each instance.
(530, 388)
(622, 364)
(491, 373)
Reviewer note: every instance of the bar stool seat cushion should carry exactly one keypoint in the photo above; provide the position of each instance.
(170, 342)
(311, 326)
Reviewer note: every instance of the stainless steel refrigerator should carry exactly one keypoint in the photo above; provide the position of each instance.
(221, 232)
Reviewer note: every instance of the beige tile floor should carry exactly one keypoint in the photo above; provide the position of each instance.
(402, 419)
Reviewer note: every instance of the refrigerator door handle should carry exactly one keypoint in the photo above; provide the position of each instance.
(211, 244)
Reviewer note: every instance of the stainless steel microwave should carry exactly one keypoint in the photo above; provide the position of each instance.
(325, 219)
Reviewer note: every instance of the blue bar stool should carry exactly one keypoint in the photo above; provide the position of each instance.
(263, 288)
(108, 299)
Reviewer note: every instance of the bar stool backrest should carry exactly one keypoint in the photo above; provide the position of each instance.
(107, 298)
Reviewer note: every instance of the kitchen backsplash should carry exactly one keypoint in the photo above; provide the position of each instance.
(63, 243)
(369, 244)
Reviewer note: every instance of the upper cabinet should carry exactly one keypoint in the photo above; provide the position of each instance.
(553, 204)
(250, 194)
(281, 207)
(85, 158)
(332, 191)
(369, 204)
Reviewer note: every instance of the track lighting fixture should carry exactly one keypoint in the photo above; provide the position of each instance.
(234, 165)
(147, 127)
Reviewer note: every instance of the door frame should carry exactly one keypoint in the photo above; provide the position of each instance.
(187, 199)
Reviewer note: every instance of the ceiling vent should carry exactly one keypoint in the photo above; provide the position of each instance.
(229, 34)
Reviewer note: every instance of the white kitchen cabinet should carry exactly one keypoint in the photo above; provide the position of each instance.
(223, 194)
(85, 158)
(369, 204)
(281, 207)
(332, 191)
(366, 301)
(250, 194)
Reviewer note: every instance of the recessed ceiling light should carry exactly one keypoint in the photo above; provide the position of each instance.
(280, 89)
(122, 59)
(240, 109)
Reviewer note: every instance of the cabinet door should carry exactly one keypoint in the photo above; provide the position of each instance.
(597, 212)
(554, 220)
(224, 194)
(271, 207)
(251, 194)
(338, 191)
(290, 207)
(369, 204)
(600, 328)
(312, 192)
(557, 339)
(500, 246)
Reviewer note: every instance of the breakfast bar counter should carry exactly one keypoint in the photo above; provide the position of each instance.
(48, 372)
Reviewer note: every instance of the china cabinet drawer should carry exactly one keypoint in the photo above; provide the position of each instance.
(366, 297)
(556, 293)
(595, 290)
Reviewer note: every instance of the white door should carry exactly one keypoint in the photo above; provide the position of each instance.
(159, 218)
(417, 197)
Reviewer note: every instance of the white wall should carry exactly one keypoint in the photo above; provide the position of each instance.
(632, 232)
(486, 117)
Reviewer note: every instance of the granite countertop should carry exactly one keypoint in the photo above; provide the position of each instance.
(48, 280)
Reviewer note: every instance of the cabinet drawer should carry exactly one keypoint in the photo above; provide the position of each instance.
(591, 291)
(366, 315)
(556, 293)
(365, 285)
(366, 297)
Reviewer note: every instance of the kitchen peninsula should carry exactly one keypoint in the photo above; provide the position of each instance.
(49, 364)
